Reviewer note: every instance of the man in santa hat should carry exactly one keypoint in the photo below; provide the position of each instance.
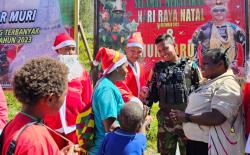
(133, 88)
(79, 92)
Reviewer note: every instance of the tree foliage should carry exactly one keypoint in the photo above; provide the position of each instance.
(86, 15)
(83, 56)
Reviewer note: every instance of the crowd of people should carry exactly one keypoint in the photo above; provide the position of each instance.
(200, 102)
(200, 105)
(53, 92)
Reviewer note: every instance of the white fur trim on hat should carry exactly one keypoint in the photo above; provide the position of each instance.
(134, 44)
(64, 43)
(117, 64)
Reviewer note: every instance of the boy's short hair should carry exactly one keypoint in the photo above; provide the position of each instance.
(38, 78)
(164, 37)
(131, 116)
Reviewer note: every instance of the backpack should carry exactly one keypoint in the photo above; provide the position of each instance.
(85, 128)
(12, 145)
(1, 138)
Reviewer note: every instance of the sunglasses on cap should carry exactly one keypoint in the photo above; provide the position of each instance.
(219, 10)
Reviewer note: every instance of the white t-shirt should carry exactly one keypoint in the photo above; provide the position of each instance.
(198, 102)
(223, 94)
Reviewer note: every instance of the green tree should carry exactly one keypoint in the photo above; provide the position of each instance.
(83, 52)
(86, 15)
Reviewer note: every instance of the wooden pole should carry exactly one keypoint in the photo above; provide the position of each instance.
(96, 27)
(94, 69)
(85, 41)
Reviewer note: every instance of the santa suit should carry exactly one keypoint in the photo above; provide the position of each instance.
(78, 98)
(135, 80)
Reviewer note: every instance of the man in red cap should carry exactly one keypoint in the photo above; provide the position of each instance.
(133, 88)
(79, 91)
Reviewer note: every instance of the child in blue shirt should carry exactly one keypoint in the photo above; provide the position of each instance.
(130, 139)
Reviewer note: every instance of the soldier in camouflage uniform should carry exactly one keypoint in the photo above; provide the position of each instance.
(172, 80)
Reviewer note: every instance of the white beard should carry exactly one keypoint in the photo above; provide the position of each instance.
(73, 64)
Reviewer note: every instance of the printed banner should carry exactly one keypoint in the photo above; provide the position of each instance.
(28, 29)
(190, 22)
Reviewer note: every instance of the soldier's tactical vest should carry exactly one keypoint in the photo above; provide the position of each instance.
(174, 81)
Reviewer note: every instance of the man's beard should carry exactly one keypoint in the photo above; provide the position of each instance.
(73, 64)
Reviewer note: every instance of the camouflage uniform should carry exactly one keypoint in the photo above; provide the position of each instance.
(170, 133)
(231, 33)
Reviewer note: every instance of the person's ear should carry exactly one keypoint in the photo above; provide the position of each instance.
(117, 69)
(139, 126)
(47, 101)
(51, 99)
(221, 63)
(125, 50)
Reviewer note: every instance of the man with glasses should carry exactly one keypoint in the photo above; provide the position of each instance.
(220, 33)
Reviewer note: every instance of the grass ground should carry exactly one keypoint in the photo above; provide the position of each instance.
(13, 105)
(152, 133)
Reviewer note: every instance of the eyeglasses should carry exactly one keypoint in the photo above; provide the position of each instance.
(219, 10)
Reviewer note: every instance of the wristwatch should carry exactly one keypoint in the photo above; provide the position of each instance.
(188, 117)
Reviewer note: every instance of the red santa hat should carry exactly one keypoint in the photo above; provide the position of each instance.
(135, 40)
(63, 40)
(110, 59)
